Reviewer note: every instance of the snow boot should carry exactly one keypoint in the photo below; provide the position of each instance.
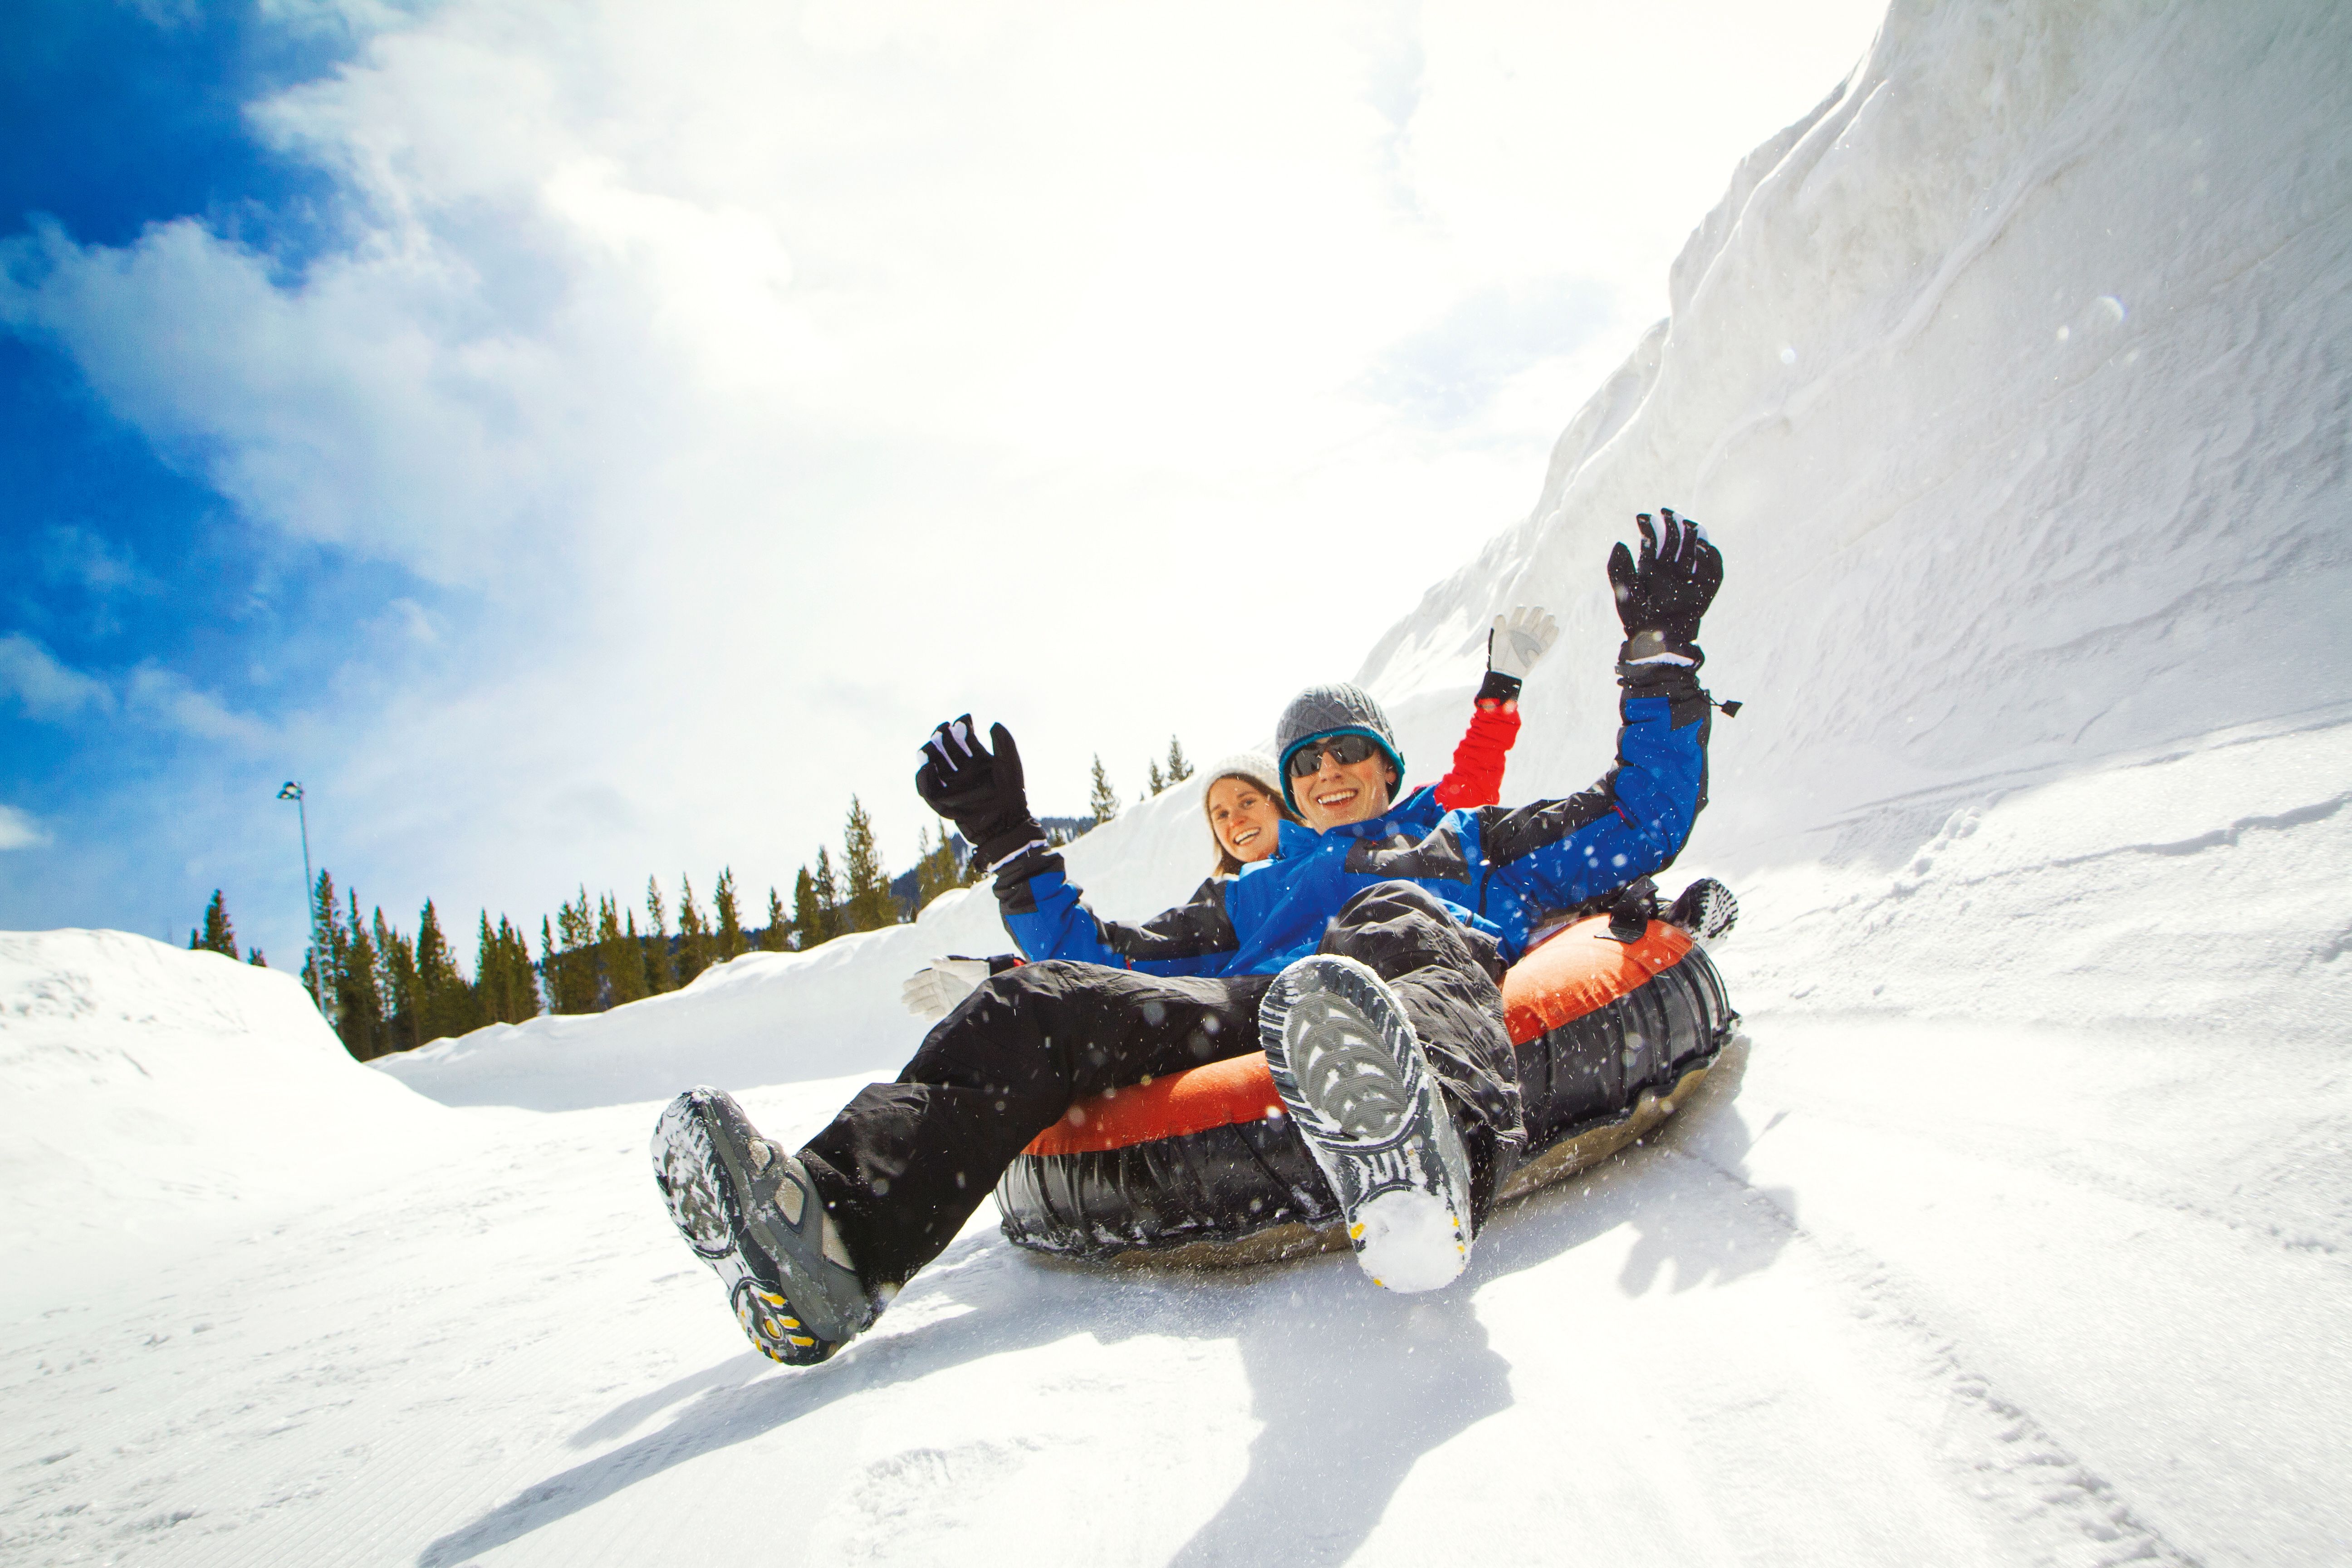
(1348, 1065)
(1706, 909)
(748, 1209)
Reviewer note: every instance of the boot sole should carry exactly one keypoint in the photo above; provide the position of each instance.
(699, 1188)
(1346, 1064)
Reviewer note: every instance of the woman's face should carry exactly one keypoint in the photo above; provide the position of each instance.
(1246, 821)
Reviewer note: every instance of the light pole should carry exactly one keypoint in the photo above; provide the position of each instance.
(293, 792)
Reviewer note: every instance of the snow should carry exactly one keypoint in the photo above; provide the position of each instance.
(155, 1095)
(2014, 1230)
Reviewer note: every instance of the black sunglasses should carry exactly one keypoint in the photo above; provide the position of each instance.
(1345, 749)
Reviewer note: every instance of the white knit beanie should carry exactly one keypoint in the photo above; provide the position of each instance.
(1254, 766)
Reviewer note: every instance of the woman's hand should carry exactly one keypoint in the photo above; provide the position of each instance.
(934, 989)
(1518, 640)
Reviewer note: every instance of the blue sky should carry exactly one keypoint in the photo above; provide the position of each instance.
(116, 559)
(588, 441)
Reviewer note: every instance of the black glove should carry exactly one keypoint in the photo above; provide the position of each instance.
(982, 793)
(1659, 601)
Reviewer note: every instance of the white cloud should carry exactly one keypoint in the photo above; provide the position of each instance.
(82, 557)
(18, 830)
(775, 380)
(170, 700)
(52, 691)
(46, 688)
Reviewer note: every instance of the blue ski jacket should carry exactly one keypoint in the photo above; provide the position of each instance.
(1503, 871)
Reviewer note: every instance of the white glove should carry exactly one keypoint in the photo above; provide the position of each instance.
(1519, 640)
(939, 984)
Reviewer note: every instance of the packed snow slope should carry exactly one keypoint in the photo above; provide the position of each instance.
(2018, 1227)
(152, 1092)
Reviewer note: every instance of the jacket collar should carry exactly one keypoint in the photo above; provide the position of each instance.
(1296, 838)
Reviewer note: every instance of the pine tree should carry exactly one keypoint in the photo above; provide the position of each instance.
(218, 935)
(1179, 766)
(808, 915)
(607, 938)
(547, 967)
(870, 906)
(253, 956)
(935, 868)
(1104, 802)
(661, 972)
(1153, 782)
(526, 1000)
(635, 956)
(693, 934)
(728, 942)
(502, 976)
(358, 992)
(446, 1006)
(622, 954)
(778, 937)
(322, 961)
(828, 898)
(573, 985)
(397, 960)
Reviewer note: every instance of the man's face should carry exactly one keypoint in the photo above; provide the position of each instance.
(1340, 792)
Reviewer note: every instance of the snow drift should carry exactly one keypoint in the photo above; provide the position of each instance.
(150, 1089)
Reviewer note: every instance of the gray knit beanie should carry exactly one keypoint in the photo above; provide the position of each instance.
(1337, 709)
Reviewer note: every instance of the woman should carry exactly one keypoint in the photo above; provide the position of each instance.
(1245, 805)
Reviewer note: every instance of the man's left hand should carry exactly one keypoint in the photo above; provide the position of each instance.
(1671, 585)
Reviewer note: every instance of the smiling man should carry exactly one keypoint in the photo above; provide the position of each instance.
(1364, 957)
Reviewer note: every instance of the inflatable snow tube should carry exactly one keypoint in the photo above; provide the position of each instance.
(1202, 1168)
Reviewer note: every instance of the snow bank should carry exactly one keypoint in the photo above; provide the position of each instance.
(2013, 382)
(2207, 885)
(149, 1088)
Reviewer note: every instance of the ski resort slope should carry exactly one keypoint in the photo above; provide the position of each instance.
(2016, 1227)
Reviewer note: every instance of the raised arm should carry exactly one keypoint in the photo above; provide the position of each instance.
(1633, 821)
(1515, 644)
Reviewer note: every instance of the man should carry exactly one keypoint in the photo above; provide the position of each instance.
(1361, 959)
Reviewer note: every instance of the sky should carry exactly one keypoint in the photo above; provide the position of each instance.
(582, 442)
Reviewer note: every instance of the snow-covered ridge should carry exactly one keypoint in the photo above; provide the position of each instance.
(2012, 381)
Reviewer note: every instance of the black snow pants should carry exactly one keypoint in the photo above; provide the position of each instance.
(905, 1164)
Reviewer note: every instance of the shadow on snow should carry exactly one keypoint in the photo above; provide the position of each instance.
(1416, 1369)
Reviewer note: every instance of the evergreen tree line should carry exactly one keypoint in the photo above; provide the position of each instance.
(386, 990)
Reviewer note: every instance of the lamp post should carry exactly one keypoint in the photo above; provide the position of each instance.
(293, 791)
